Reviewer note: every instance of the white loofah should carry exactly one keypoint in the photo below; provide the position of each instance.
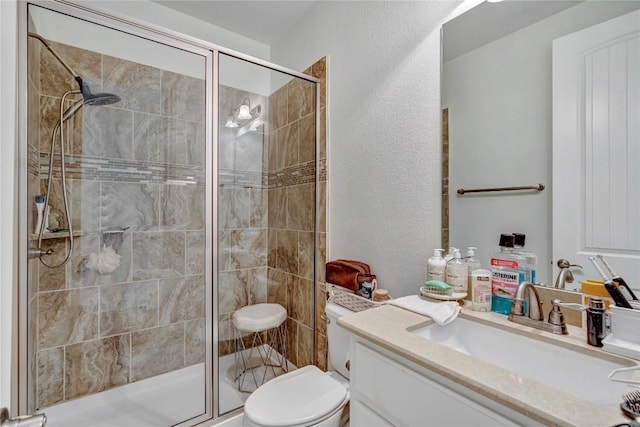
(103, 263)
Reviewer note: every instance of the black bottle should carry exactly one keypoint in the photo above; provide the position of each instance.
(595, 322)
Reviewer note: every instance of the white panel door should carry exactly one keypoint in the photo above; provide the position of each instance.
(596, 147)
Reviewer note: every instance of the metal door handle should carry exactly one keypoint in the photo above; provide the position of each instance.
(38, 420)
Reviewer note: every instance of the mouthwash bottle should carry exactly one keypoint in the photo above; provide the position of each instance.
(530, 257)
(508, 270)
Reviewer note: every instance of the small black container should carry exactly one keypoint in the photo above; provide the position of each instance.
(595, 322)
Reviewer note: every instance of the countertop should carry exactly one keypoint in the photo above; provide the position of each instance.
(389, 327)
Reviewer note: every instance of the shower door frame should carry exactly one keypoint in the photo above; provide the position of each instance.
(210, 52)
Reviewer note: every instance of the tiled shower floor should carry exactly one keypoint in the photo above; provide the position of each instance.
(159, 401)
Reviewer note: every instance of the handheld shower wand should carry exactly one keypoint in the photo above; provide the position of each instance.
(88, 98)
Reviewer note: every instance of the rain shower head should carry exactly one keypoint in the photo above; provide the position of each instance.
(95, 98)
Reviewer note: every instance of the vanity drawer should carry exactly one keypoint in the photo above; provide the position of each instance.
(408, 398)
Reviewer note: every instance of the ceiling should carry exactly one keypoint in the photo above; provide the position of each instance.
(490, 21)
(263, 21)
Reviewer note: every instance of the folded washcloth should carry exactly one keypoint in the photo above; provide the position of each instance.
(441, 312)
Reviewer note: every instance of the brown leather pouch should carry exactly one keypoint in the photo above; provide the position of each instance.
(348, 273)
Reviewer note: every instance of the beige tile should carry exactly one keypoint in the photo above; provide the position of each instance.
(322, 257)
(194, 342)
(96, 365)
(128, 307)
(288, 145)
(183, 96)
(50, 377)
(259, 205)
(306, 350)
(182, 207)
(248, 248)
(306, 245)
(321, 351)
(181, 298)
(272, 248)
(287, 251)
(300, 99)
(301, 207)
(321, 303)
(278, 109)
(158, 255)
(322, 207)
(157, 351)
(50, 279)
(277, 208)
(277, 287)
(232, 290)
(195, 252)
(307, 138)
(292, 341)
(258, 285)
(67, 316)
(302, 301)
(224, 250)
(272, 149)
(138, 85)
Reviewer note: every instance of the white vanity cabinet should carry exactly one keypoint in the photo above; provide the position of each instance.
(388, 390)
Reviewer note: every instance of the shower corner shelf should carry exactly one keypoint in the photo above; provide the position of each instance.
(58, 235)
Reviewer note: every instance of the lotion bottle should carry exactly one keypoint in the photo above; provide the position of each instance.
(457, 273)
(481, 290)
(472, 264)
(436, 266)
(449, 256)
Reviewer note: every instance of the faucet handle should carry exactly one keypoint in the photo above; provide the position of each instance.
(556, 316)
(565, 263)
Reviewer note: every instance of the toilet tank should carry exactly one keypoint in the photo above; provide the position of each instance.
(338, 339)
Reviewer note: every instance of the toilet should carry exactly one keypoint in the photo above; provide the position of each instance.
(307, 396)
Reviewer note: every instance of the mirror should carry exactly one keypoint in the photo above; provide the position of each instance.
(497, 90)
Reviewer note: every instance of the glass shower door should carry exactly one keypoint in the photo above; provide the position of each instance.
(119, 289)
(267, 187)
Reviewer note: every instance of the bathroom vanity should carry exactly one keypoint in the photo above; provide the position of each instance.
(399, 378)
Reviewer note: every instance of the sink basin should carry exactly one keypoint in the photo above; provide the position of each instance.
(580, 375)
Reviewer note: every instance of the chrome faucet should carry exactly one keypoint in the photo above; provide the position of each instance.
(535, 317)
(565, 276)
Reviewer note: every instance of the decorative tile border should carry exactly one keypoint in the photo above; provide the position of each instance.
(122, 170)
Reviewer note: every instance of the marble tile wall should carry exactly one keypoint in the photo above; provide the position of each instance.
(267, 215)
(294, 279)
(137, 164)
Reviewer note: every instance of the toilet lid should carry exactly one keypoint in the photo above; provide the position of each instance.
(295, 398)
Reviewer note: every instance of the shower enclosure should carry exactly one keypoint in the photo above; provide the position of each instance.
(167, 183)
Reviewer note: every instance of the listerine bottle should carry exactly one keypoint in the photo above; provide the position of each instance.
(530, 257)
(508, 270)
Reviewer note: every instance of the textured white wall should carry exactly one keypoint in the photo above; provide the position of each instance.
(384, 121)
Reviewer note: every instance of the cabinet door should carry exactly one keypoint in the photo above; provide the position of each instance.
(407, 398)
(361, 415)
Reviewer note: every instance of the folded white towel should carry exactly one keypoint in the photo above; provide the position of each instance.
(441, 312)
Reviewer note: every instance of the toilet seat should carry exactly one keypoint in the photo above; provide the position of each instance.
(299, 398)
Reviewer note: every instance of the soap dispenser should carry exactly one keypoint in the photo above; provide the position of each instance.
(457, 273)
(436, 266)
